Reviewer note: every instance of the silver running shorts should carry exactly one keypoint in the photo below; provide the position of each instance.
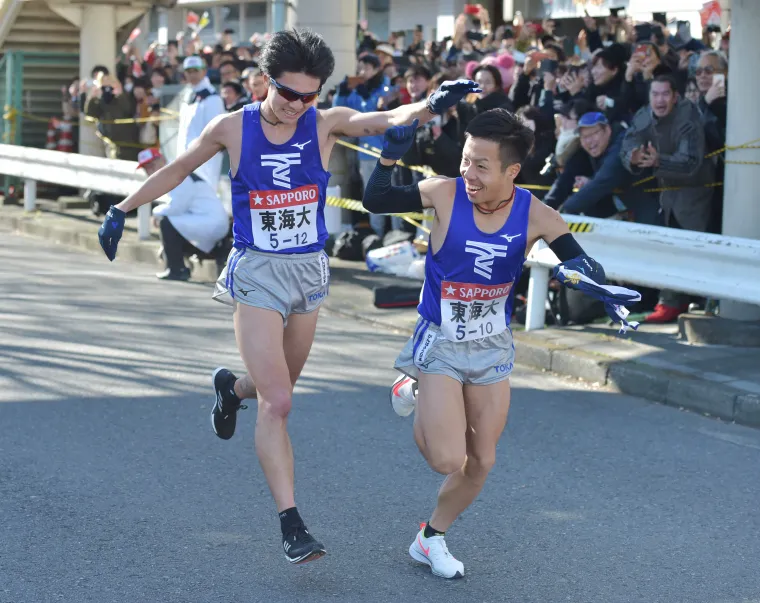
(476, 362)
(286, 283)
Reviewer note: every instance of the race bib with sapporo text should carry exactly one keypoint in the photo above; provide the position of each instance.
(284, 219)
(470, 311)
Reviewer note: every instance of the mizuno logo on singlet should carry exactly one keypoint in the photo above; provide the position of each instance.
(281, 164)
(485, 252)
(300, 145)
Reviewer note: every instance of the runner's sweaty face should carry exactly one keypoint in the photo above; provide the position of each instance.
(484, 175)
(290, 111)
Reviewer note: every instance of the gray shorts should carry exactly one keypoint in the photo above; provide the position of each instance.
(286, 283)
(477, 362)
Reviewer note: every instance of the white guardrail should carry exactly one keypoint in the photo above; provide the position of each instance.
(699, 263)
(703, 264)
(113, 176)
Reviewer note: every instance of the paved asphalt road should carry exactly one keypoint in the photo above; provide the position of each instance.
(113, 487)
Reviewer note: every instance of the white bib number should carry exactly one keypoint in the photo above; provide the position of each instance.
(470, 311)
(284, 219)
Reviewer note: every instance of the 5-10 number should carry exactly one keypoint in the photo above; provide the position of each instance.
(485, 329)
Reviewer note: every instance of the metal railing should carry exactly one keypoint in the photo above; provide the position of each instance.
(682, 260)
(687, 261)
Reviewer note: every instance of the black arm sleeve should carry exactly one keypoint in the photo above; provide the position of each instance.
(565, 247)
(382, 198)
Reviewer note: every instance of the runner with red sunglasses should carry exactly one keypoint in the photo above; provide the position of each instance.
(277, 274)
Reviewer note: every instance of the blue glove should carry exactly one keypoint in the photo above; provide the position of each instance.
(586, 274)
(449, 94)
(111, 230)
(398, 140)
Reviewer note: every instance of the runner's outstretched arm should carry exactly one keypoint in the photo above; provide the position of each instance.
(203, 148)
(382, 198)
(347, 122)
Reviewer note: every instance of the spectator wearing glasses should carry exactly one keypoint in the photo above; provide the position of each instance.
(605, 186)
(229, 72)
(711, 75)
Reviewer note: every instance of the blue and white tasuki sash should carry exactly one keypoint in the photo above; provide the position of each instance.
(613, 296)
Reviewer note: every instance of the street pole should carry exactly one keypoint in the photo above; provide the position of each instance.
(741, 211)
(279, 14)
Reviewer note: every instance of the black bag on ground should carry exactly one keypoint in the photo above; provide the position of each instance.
(581, 309)
(348, 246)
(397, 296)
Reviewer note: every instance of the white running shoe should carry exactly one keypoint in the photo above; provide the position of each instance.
(433, 552)
(404, 395)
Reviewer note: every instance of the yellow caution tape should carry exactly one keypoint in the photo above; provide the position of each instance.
(355, 205)
(580, 226)
(375, 152)
(423, 169)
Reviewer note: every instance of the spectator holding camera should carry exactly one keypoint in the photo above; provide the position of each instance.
(530, 83)
(640, 70)
(605, 187)
(608, 69)
(107, 102)
(711, 74)
(146, 106)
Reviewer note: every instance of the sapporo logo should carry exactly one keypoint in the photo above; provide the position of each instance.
(281, 163)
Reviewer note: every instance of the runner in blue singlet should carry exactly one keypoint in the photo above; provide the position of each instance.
(277, 274)
(457, 364)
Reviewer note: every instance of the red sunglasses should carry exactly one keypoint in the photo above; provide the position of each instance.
(292, 96)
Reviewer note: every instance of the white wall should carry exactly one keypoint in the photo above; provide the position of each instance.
(406, 14)
(377, 22)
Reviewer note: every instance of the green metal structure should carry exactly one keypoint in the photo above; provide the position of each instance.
(30, 90)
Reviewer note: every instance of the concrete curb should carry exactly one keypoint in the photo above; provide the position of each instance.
(672, 388)
(680, 390)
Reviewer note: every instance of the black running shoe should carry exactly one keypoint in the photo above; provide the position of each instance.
(300, 546)
(226, 405)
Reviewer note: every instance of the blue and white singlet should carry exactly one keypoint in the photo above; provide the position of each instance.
(469, 281)
(279, 191)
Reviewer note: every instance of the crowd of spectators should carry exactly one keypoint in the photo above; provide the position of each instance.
(134, 89)
(625, 114)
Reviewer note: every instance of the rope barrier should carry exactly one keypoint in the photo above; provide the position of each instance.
(11, 115)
